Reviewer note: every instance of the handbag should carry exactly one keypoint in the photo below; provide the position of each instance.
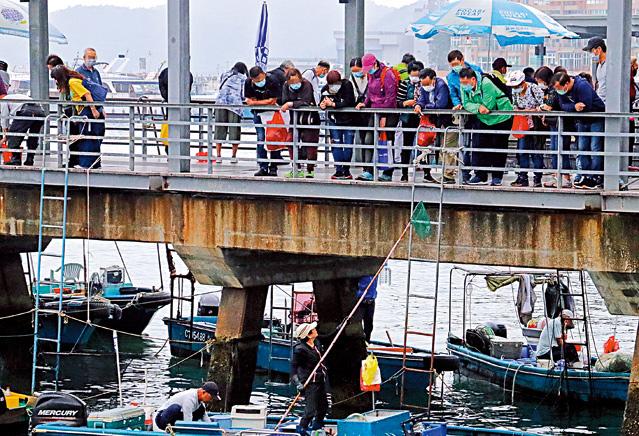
(520, 122)
(276, 134)
(426, 136)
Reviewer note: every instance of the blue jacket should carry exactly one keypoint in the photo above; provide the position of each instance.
(438, 99)
(581, 92)
(92, 75)
(361, 287)
(454, 84)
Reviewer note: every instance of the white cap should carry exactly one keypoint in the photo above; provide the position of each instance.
(302, 330)
(515, 78)
(566, 313)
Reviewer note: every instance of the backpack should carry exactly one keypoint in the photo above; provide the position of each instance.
(394, 72)
(98, 92)
(508, 92)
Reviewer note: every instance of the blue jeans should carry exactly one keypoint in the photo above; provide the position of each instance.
(342, 154)
(261, 149)
(529, 142)
(590, 144)
(554, 144)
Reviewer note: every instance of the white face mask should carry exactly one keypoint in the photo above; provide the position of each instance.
(429, 88)
(414, 79)
(518, 90)
(334, 89)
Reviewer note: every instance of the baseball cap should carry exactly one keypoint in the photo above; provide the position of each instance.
(212, 389)
(594, 42)
(566, 313)
(368, 61)
(515, 78)
(500, 63)
(302, 330)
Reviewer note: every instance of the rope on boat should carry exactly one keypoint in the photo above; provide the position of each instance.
(15, 315)
(343, 324)
(207, 345)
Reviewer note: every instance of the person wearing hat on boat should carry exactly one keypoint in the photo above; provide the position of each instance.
(552, 341)
(188, 406)
(306, 356)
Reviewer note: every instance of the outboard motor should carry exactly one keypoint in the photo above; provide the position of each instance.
(209, 305)
(61, 408)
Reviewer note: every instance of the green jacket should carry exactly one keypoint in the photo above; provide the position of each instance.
(489, 95)
(403, 70)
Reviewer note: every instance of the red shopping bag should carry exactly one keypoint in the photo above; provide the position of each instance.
(276, 134)
(425, 135)
(520, 122)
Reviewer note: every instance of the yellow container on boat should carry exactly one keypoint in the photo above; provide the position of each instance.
(17, 401)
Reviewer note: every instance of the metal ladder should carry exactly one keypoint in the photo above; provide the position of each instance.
(59, 225)
(288, 314)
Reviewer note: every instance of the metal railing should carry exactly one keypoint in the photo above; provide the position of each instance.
(135, 140)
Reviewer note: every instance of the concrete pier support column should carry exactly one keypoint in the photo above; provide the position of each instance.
(354, 38)
(237, 337)
(631, 414)
(335, 299)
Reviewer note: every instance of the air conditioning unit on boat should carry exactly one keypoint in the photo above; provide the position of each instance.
(249, 417)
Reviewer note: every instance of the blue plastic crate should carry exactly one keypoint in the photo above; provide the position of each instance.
(376, 422)
(434, 429)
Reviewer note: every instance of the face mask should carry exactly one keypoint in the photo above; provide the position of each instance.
(467, 87)
(295, 86)
(321, 76)
(518, 90)
(334, 88)
(358, 74)
(429, 88)
(372, 71)
(544, 87)
(458, 68)
(261, 83)
(561, 91)
(414, 79)
(90, 62)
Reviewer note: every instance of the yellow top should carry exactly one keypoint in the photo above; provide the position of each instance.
(77, 92)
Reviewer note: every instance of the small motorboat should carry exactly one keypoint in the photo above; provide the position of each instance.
(138, 304)
(14, 409)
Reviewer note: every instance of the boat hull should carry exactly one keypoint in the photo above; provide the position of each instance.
(137, 311)
(572, 384)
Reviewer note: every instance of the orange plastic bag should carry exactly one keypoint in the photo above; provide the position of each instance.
(520, 122)
(425, 136)
(276, 134)
(611, 345)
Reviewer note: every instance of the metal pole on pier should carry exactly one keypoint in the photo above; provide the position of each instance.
(39, 48)
(353, 31)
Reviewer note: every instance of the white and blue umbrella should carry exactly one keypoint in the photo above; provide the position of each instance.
(510, 22)
(262, 41)
(14, 20)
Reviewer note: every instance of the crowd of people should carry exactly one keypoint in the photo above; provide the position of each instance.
(370, 83)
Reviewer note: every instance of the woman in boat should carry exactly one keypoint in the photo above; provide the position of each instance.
(552, 341)
(306, 356)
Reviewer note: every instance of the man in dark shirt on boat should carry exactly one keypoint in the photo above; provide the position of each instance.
(367, 308)
(186, 406)
(552, 341)
(306, 355)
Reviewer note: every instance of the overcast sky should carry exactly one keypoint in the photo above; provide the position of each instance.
(62, 4)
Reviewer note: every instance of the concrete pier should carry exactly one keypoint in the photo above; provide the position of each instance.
(237, 337)
(631, 415)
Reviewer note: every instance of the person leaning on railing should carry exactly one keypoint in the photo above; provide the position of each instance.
(577, 95)
(435, 95)
(33, 122)
(231, 93)
(299, 93)
(481, 97)
(338, 94)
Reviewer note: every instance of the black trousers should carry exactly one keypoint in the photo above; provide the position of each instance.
(570, 354)
(367, 309)
(316, 406)
(21, 127)
(173, 414)
(495, 141)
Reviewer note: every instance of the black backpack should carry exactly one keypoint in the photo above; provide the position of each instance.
(507, 90)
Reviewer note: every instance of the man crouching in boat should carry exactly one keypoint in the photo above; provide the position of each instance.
(186, 406)
(552, 341)
(306, 355)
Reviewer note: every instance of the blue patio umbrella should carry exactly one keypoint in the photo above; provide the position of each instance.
(14, 20)
(510, 22)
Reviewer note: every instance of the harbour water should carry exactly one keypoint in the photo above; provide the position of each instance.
(150, 374)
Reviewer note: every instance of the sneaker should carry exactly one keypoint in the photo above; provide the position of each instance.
(537, 183)
(28, 163)
(218, 160)
(292, 174)
(476, 180)
(385, 178)
(272, 172)
(404, 178)
(348, 176)
(14, 162)
(233, 160)
(448, 181)
(551, 183)
(578, 182)
(520, 182)
(430, 179)
(310, 175)
(365, 176)
(261, 173)
(495, 181)
(337, 176)
(589, 183)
